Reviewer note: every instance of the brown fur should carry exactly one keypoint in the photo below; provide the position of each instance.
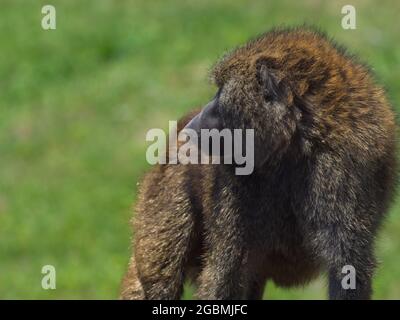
(325, 144)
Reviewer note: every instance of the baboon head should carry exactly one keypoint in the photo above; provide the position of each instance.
(252, 94)
(294, 87)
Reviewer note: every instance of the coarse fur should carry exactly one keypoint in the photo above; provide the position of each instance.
(325, 151)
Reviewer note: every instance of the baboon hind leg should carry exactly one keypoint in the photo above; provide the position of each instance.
(132, 288)
(163, 244)
(156, 276)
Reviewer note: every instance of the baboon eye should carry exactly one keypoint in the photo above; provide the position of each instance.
(220, 110)
(218, 94)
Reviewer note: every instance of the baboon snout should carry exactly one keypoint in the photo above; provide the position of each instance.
(208, 118)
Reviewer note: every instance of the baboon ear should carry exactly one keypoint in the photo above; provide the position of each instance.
(272, 87)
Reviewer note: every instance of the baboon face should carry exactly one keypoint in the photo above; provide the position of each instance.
(252, 99)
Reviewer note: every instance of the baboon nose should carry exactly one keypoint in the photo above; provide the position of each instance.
(208, 118)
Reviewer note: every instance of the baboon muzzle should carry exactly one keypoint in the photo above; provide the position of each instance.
(208, 118)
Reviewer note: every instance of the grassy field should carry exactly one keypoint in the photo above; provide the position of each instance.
(76, 102)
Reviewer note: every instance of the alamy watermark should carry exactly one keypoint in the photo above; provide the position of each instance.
(210, 146)
(49, 18)
(349, 280)
(49, 278)
(349, 18)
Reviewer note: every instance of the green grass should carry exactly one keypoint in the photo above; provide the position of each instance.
(75, 104)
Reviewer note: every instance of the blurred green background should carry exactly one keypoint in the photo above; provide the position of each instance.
(76, 102)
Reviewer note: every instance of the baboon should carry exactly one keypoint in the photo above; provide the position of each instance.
(324, 176)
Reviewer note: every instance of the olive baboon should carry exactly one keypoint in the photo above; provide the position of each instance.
(324, 177)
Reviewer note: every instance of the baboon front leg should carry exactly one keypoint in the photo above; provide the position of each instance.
(339, 218)
(351, 267)
(257, 276)
(361, 291)
(224, 275)
(350, 263)
(255, 289)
